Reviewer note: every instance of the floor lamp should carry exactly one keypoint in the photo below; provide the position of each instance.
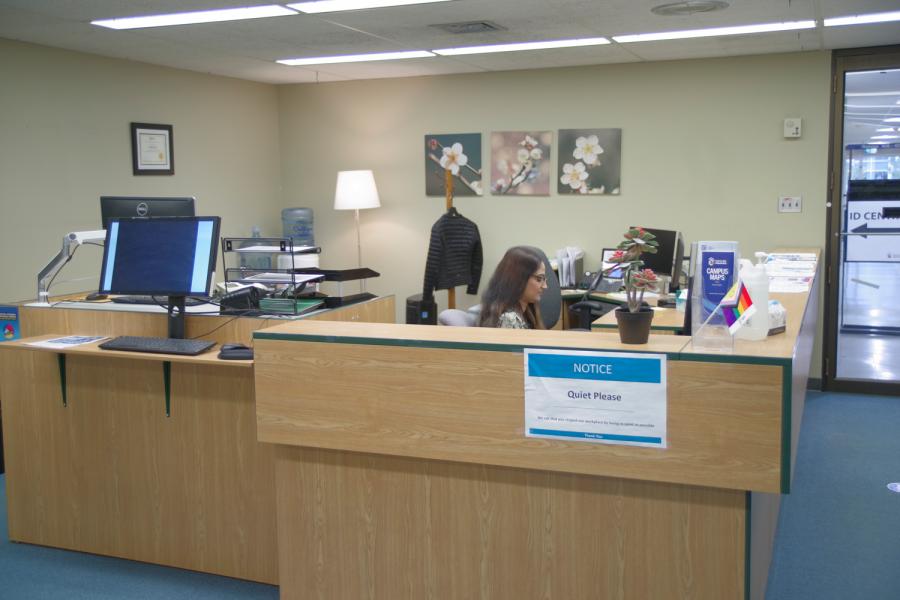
(356, 190)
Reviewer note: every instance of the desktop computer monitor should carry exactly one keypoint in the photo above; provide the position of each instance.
(113, 207)
(669, 255)
(165, 256)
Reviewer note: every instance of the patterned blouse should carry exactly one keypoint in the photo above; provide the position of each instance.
(512, 320)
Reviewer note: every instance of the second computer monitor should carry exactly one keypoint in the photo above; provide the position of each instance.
(123, 207)
(668, 257)
(613, 273)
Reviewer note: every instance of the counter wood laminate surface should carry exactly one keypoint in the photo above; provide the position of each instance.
(109, 473)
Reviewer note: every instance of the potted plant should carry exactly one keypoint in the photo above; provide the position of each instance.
(634, 318)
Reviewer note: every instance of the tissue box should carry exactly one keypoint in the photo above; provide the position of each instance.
(777, 317)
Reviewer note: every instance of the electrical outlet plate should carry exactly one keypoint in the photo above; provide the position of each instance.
(790, 204)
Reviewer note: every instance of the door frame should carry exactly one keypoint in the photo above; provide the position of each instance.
(855, 59)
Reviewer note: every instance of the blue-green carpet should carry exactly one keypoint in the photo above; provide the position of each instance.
(839, 529)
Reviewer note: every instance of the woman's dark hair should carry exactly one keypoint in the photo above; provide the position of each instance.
(507, 285)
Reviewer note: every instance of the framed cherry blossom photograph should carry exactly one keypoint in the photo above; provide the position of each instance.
(589, 161)
(459, 153)
(520, 163)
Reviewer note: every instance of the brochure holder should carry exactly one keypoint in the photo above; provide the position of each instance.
(714, 266)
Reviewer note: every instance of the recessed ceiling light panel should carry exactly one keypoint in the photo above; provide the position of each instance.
(863, 19)
(351, 58)
(714, 32)
(326, 6)
(190, 18)
(517, 47)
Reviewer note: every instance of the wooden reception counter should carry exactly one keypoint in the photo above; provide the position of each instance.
(402, 469)
(355, 458)
(108, 472)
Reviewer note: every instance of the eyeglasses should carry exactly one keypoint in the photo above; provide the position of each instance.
(542, 278)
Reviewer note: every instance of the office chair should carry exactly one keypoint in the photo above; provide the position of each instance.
(551, 300)
(587, 309)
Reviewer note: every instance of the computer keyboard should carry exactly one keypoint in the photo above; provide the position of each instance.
(606, 286)
(133, 343)
(155, 300)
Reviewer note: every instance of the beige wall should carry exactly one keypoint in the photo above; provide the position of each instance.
(702, 152)
(702, 149)
(64, 126)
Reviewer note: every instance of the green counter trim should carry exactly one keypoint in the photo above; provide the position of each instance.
(61, 360)
(748, 520)
(167, 383)
(786, 429)
(517, 348)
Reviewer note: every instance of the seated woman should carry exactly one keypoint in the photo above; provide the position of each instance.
(514, 290)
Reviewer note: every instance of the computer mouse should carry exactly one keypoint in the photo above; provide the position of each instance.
(93, 297)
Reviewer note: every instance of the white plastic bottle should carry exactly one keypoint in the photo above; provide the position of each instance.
(757, 282)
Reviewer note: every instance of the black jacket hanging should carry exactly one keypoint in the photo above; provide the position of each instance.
(454, 255)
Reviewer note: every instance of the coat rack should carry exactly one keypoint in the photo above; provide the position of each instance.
(448, 189)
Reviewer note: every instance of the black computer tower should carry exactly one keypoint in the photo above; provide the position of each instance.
(421, 312)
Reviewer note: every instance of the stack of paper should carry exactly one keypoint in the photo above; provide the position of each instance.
(790, 273)
(289, 306)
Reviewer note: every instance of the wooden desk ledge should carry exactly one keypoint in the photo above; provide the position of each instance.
(210, 357)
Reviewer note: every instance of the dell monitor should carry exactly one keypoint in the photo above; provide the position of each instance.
(165, 256)
(669, 255)
(121, 207)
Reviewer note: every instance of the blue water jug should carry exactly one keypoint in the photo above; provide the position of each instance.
(298, 225)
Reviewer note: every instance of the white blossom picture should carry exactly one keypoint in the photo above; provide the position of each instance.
(520, 163)
(589, 161)
(458, 153)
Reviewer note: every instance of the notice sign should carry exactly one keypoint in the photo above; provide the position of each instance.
(601, 397)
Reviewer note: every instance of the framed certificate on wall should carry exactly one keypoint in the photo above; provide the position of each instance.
(152, 150)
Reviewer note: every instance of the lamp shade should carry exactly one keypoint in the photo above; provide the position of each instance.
(355, 190)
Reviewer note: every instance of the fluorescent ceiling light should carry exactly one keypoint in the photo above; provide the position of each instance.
(863, 19)
(885, 130)
(715, 31)
(885, 137)
(202, 16)
(324, 6)
(521, 46)
(349, 58)
(892, 120)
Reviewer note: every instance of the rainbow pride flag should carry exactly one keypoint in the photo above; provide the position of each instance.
(737, 307)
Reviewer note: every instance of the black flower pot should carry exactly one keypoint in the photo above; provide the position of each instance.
(634, 327)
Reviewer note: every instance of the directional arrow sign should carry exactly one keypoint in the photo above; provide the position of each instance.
(864, 229)
(868, 217)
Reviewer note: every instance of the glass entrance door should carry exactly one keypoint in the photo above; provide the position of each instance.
(863, 353)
